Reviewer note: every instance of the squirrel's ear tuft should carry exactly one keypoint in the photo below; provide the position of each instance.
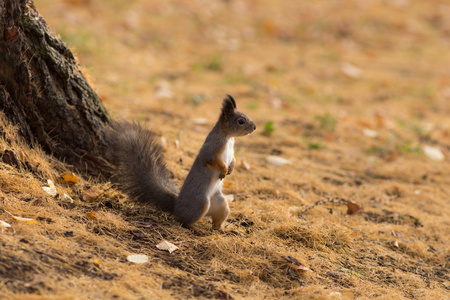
(228, 105)
(232, 100)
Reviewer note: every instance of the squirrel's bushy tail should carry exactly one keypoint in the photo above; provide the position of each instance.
(141, 169)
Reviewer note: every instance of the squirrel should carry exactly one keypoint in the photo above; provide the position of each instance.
(143, 175)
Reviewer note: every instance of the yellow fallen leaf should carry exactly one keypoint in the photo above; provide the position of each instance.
(97, 262)
(22, 156)
(70, 177)
(91, 215)
(25, 220)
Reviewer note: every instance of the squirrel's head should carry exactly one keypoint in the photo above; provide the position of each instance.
(234, 122)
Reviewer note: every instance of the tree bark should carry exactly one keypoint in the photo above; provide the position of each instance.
(43, 91)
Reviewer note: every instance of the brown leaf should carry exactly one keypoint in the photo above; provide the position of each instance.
(295, 264)
(90, 195)
(91, 215)
(396, 246)
(353, 208)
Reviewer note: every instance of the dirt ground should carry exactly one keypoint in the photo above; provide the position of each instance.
(352, 98)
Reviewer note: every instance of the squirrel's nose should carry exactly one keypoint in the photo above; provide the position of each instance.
(254, 127)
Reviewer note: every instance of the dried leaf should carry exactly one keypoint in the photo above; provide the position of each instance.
(433, 153)
(50, 189)
(4, 224)
(165, 245)
(351, 71)
(70, 177)
(277, 160)
(353, 208)
(370, 133)
(37, 278)
(396, 245)
(90, 195)
(295, 264)
(91, 215)
(294, 210)
(67, 197)
(200, 121)
(25, 220)
(22, 156)
(164, 90)
(137, 258)
(275, 102)
(245, 165)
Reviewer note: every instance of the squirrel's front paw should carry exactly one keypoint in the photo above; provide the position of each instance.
(223, 173)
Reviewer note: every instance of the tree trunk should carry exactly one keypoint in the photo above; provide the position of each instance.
(43, 91)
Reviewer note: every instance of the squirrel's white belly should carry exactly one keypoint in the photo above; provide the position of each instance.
(228, 153)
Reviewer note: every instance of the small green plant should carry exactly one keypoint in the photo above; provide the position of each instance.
(142, 117)
(408, 147)
(327, 122)
(376, 150)
(214, 63)
(269, 128)
(315, 146)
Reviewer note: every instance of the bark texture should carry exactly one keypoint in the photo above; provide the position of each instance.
(43, 91)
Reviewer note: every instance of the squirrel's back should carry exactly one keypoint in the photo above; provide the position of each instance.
(141, 168)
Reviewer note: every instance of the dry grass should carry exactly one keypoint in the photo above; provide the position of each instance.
(283, 62)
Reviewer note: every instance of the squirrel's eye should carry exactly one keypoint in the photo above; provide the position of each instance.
(241, 121)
